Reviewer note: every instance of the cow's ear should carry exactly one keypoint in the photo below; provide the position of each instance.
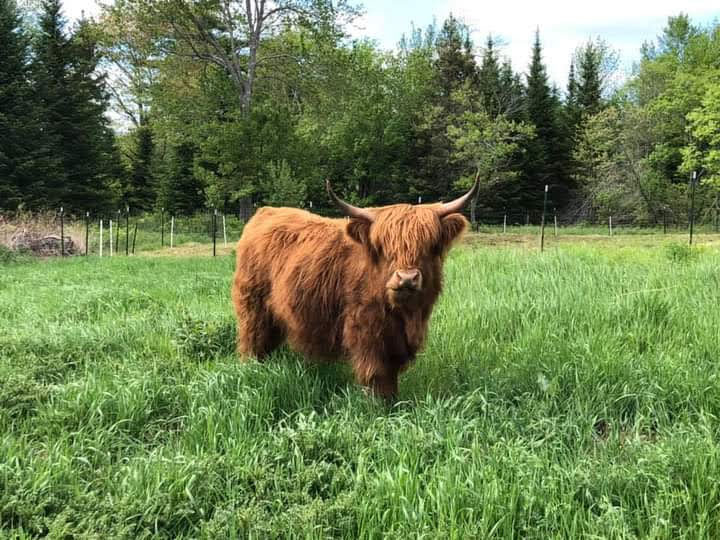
(453, 226)
(359, 230)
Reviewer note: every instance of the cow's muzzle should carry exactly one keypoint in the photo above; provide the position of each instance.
(408, 280)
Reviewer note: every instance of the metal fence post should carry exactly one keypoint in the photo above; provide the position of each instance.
(127, 230)
(542, 221)
(87, 231)
(214, 229)
(62, 232)
(693, 183)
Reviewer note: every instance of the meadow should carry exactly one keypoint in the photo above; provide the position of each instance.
(573, 393)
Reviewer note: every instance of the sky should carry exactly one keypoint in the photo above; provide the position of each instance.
(563, 24)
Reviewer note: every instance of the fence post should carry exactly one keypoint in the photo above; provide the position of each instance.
(127, 230)
(542, 221)
(62, 232)
(162, 227)
(172, 229)
(555, 219)
(134, 237)
(87, 231)
(101, 238)
(504, 223)
(693, 183)
(224, 231)
(610, 224)
(111, 244)
(117, 231)
(214, 228)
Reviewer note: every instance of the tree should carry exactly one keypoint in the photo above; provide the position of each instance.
(546, 154)
(454, 63)
(614, 171)
(74, 102)
(140, 191)
(180, 191)
(128, 52)
(233, 35)
(489, 80)
(702, 153)
(596, 64)
(489, 147)
(24, 160)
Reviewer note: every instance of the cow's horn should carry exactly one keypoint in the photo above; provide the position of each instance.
(458, 204)
(348, 209)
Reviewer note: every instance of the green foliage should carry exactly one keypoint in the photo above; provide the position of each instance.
(7, 255)
(284, 189)
(205, 340)
(681, 252)
(140, 192)
(703, 152)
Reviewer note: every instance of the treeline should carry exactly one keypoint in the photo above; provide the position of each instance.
(222, 107)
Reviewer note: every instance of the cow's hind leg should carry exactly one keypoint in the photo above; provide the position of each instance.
(257, 332)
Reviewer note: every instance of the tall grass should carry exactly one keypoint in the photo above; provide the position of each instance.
(574, 393)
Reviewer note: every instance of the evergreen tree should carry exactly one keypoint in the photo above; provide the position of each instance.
(180, 191)
(24, 160)
(572, 108)
(455, 64)
(74, 103)
(14, 94)
(140, 193)
(489, 80)
(589, 86)
(455, 71)
(546, 154)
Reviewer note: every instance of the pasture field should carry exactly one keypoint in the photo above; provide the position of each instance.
(569, 394)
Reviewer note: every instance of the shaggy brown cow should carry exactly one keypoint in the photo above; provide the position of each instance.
(360, 289)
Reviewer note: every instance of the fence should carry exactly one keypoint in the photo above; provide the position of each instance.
(121, 233)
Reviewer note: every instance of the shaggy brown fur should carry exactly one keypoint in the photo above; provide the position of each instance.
(330, 287)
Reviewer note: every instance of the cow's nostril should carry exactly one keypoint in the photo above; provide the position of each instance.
(409, 279)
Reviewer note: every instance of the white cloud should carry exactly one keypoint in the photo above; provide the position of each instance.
(566, 24)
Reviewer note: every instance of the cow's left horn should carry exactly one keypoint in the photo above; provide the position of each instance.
(348, 209)
(458, 204)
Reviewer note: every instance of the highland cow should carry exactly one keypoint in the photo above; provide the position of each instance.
(360, 289)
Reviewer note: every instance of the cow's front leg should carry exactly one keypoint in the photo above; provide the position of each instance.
(378, 375)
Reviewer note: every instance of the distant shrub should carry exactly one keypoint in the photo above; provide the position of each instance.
(680, 252)
(204, 340)
(6, 255)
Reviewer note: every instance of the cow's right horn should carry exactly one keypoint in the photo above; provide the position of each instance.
(348, 209)
(458, 204)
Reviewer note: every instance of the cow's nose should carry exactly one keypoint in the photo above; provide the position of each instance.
(409, 279)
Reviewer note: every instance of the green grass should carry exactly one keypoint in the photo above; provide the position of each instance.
(569, 394)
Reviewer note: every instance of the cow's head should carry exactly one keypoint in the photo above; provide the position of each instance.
(407, 243)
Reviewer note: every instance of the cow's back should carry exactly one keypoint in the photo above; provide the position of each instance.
(296, 262)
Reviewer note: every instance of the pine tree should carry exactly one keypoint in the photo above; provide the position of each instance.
(454, 63)
(74, 104)
(572, 108)
(14, 92)
(455, 71)
(546, 154)
(589, 87)
(180, 191)
(512, 93)
(24, 160)
(140, 193)
(489, 80)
